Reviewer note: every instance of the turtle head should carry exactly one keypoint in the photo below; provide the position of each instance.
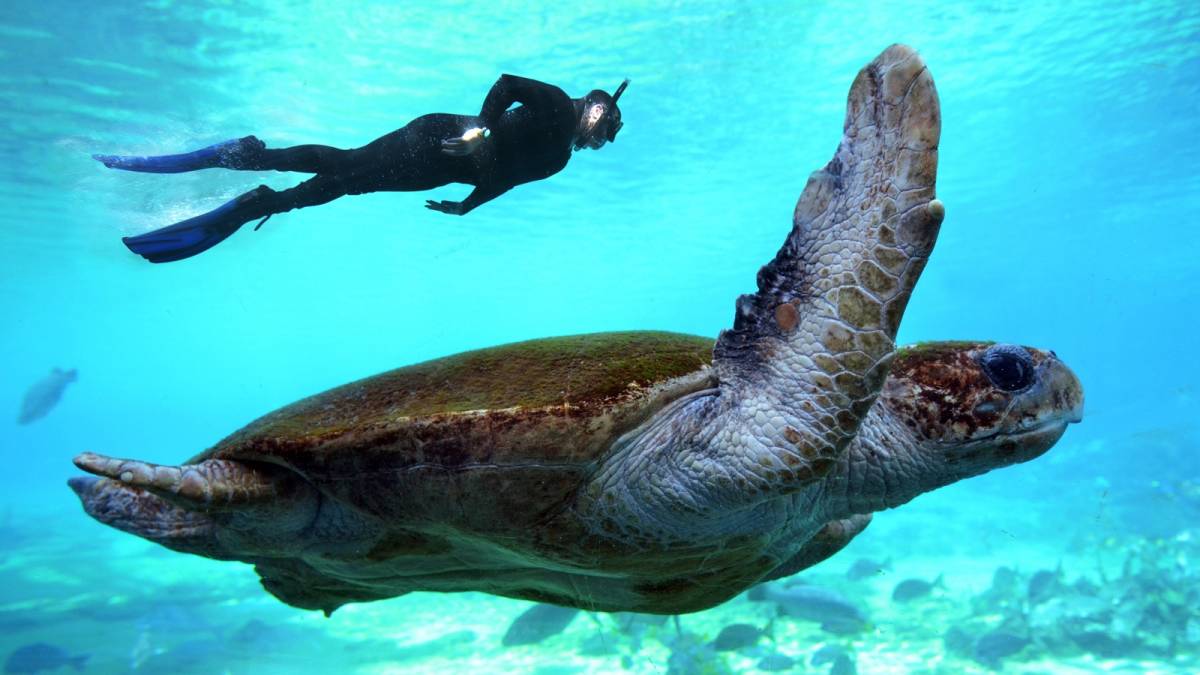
(981, 406)
(952, 410)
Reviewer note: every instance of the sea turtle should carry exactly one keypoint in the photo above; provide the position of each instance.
(643, 471)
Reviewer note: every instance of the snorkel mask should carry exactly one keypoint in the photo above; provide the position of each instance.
(602, 118)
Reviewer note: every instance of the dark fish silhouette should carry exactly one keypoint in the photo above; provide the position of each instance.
(44, 395)
(738, 636)
(538, 623)
(1043, 585)
(1004, 579)
(865, 567)
(911, 589)
(257, 634)
(258, 638)
(40, 656)
(992, 648)
(831, 609)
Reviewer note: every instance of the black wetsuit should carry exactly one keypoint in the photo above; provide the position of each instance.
(527, 143)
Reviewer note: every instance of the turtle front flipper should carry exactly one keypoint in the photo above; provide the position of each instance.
(808, 353)
(251, 509)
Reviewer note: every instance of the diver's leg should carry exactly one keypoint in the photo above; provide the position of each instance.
(301, 158)
(404, 157)
(320, 189)
(200, 233)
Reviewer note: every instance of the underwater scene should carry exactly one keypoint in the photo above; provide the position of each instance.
(555, 338)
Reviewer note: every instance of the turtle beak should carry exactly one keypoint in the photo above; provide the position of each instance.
(1066, 389)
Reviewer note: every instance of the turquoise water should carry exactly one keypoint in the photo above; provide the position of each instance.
(1068, 165)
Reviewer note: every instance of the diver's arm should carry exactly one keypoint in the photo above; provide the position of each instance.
(510, 89)
(480, 195)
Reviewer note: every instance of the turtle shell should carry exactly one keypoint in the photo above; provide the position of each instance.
(484, 439)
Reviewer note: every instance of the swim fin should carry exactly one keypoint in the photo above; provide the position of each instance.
(200, 233)
(234, 154)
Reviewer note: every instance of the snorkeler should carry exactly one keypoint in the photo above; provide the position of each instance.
(494, 151)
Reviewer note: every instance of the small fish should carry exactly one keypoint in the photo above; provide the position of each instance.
(538, 623)
(44, 394)
(40, 656)
(1042, 586)
(258, 638)
(1098, 642)
(865, 567)
(1004, 579)
(992, 648)
(776, 663)
(256, 634)
(739, 636)
(911, 589)
(831, 609)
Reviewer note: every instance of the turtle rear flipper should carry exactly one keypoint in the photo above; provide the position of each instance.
(257, 509)
(136, 511)
(830, 539)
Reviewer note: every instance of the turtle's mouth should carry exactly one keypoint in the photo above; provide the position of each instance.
(1007, 448)
(1035, 442)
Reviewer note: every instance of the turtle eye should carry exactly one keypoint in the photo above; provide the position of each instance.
(1008, 367)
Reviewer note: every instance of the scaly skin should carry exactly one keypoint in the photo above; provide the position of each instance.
(808, 353)
(940, 419)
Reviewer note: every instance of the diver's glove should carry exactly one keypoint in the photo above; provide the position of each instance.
(453, 208)
(467, 143)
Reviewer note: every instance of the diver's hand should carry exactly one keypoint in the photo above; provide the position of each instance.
(453, 208)
(467, 143)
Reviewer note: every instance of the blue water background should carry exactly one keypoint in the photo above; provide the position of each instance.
(1069, 166)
